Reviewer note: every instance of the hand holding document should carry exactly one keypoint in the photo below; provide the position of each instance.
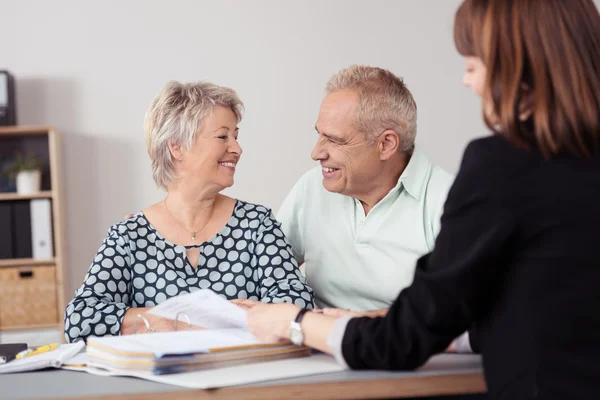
(204, 308)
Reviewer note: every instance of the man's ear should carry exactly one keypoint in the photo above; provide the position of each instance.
(388, 144)
(176, 151)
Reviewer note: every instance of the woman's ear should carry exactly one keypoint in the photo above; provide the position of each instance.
(526, 104)
(388, 144)
(176, 151)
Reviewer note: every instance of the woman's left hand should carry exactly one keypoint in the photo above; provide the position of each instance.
(270, 322)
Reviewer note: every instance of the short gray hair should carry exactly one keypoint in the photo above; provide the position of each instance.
(176, 114)
(384, 103)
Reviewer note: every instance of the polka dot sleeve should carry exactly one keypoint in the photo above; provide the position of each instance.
(280, 279)
(102, 300)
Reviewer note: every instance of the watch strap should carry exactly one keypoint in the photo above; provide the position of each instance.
(300, 315)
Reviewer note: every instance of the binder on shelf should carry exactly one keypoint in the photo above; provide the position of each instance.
(21, 225)
(41, 229)
(6, 239)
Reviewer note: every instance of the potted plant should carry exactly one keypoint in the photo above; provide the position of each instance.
(26, 171)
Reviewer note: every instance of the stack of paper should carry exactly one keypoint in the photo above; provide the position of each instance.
(172, 352)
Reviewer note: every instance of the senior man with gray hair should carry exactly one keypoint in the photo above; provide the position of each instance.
(360, 220)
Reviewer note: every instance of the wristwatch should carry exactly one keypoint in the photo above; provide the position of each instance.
(295, 330)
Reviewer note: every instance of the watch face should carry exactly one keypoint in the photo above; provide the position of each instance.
(296, 335)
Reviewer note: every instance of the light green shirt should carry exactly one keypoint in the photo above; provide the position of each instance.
(360, 262)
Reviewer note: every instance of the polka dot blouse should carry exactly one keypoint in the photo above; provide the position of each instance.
(136, 267)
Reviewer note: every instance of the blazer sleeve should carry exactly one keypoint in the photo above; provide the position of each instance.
(451, 283)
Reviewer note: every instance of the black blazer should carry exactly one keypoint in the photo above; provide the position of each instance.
(518, 255)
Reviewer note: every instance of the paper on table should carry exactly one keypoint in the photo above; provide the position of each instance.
(79, 361)
(204, 308)
(50, 359)
(238, 374)
(182, 342)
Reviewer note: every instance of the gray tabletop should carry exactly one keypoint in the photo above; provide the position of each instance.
(65, 384)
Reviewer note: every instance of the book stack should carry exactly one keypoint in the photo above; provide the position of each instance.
(26, 229)
(184, 351)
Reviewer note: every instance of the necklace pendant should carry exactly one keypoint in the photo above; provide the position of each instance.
(193, 236)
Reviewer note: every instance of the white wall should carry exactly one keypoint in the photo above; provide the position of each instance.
(91, 68)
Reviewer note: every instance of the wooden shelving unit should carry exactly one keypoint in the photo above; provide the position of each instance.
(46, 194)
(32, 291)
(25, 262)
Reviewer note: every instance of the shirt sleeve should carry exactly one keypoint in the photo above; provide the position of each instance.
(280, 279)
(334, 340)
(100, 303)
(462, 344)
(452, 284)
(290, 215)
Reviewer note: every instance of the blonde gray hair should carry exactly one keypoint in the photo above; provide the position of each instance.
(384, 103)
(176, 114)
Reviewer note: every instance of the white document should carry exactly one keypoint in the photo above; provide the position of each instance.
(171, 343)
(238, 374)
(50, 359)
(41, 229)
(77, 362)
(204, 308)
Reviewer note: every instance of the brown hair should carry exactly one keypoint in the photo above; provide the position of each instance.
(542, 57)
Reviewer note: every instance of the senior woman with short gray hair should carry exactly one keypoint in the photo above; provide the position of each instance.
(195, 238)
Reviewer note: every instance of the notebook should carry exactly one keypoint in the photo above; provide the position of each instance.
(10, 350)
(183, 351)
(50, 359)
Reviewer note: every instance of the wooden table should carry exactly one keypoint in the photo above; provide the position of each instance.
(444, 374)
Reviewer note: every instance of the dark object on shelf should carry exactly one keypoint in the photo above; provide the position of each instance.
(8, 105)
(21, 224)
(6, 239)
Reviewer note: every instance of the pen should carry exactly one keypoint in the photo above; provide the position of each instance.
(37, 350)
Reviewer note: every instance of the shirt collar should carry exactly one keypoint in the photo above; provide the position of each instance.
(414, 175)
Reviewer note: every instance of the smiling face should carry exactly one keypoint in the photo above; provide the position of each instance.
(213, 157)
(348, 162)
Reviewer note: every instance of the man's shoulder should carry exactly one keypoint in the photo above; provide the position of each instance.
(440, 180)
(437, 181)
(312, 178)
(310, 184)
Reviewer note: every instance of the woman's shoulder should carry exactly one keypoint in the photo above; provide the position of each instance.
(494, 145)
(136, 225)
(493, 165)
(496, 156)
(251, 210)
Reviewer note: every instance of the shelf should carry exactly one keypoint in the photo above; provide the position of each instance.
(54, 325)
(24, 130)
(6, 196)
(25, 262)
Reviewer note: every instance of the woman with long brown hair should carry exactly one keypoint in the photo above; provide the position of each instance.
(517, 255)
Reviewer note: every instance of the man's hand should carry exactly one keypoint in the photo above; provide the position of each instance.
(245, 303)
(338, 312)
